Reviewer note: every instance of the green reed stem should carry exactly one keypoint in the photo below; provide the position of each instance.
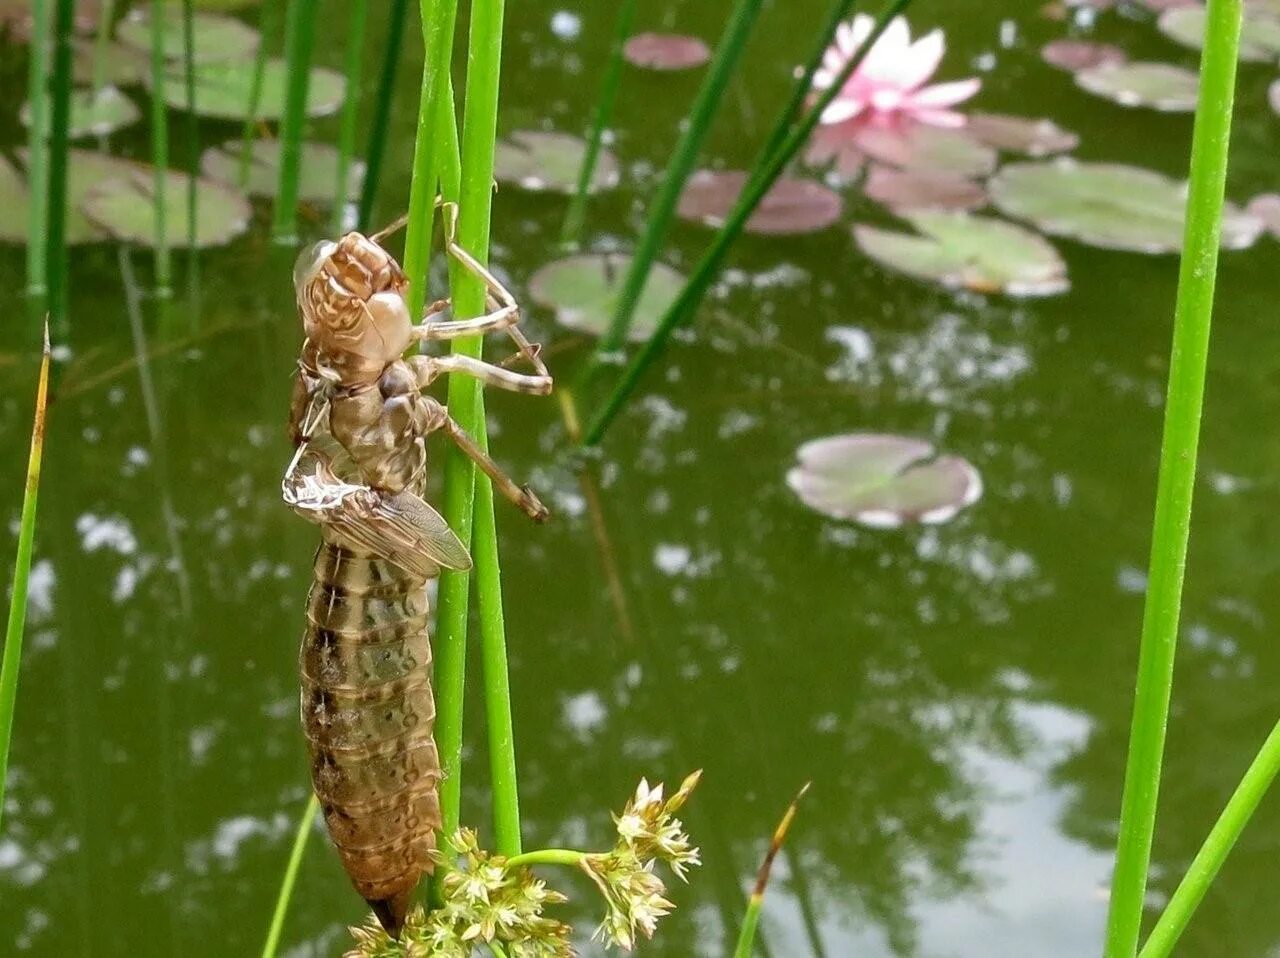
(571, 229)
(479, 135)
(1193, 314)
(376, 144)
(38, 146)
(159, 151)
(350, 109)
(193, 137)
(1209, 859)
(12, 658)
(758, 186)
(305, 827)
(299, 39)
(59, 145)
(727, 54)
(268, 17)
(101, 41)
(751, 921)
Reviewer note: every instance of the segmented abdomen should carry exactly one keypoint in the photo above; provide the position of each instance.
(368, 714)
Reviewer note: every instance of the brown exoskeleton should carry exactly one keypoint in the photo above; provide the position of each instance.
(367, 705)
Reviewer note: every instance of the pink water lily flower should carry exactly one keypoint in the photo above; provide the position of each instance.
(890, 82)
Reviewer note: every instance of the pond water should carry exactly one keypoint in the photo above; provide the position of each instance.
(959, 695)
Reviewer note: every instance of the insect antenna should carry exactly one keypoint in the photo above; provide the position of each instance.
(397, 224)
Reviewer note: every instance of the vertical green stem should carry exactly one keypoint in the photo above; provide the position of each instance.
(1205, 866)
(571, 230)
(106, 19)
(722, 66)
(193, 145)
(38, 146)
(1192, 315)
(12, 658)
(159, 150)
(59, 145)
(298, 41)
(305, 827)
(377, 142)
(347, 131)
(267, 18)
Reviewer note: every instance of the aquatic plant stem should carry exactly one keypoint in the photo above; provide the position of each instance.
(299, 39)
(547, 856)
(708, 267)
(347, 131)
(12, 657)
(267, 18)
(38, 146)
(747, 934)
(160, 152)
(727, 54)
(1205, 866)
(1193, 313)
(575, 216)
(376, 143)
(59, 145)
(193, 146)
(305, 827)
(101, 42)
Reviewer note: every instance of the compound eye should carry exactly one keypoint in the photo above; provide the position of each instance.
(309, 262)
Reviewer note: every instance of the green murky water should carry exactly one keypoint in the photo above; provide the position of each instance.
(959, 695)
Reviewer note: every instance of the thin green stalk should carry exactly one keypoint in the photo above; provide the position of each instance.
(1193, 314)
(299, 38)
(12, 658)
(347, 131)
(305, 828)
(1208, 861)
(747, 934)
(59, 145)
(377, 141)
(727, 54)
(571, 229)
(479, 135)
(159, 151)
(101, 41)
(38, 146)
(193, 145)
(267, 19)
(439, 18)
(705, 272)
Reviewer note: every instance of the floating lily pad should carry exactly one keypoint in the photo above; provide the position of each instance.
(922, 189)
(1107, 205)
(121, 65)
(835, 146)
(318, 169)
(1158, 86)
(666, 51)
(124, 208)
(539, 161)
(1076, 55)
(960, 250)
(882, 481)
(1259, 31)
(1266, 208)
(15, 17)
(917, 146)
(792, 206)
(1018, 134)
(13, 204)
(583, 290)
(222, 91)
(217, 38)
(95, 112)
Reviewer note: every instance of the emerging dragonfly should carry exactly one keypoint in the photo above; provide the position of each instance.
(359, 422)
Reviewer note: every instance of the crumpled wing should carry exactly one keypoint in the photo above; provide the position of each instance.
(401, 528)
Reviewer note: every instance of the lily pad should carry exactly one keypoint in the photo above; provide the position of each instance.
(666, 51)
(217, 38)
(583, 290)
(1158, 86)
(791, 207)
(917, 146)
(121, 65)
(222, 91)
(318, 169)
(95, 112)
(1074, 55)
(124, 208)
(882, 481)
(85, 169)
(960, 250)
(552, 162)
(1018, 134)
(1259, 31)
(922, 189)
(15, 17)
(1107, 205)
(835, 146)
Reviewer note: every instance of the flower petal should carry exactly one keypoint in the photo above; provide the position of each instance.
(945, 94)
(840, 110)
(948, 119)
(923, 60)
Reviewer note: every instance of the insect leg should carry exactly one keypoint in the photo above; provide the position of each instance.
(427, 369)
